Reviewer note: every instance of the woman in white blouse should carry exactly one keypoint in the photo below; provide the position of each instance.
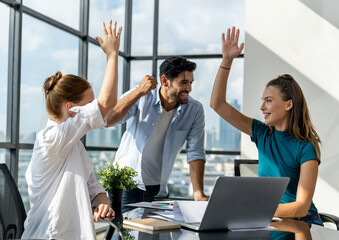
(62, 186)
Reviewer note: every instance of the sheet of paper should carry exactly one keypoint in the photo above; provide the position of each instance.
(167, 215)
(189, 211)
(151, 205)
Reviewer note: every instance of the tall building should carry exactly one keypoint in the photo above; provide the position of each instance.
(229, 137)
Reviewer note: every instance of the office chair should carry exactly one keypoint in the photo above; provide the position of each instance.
(12, 210)
(245, 167)
(250, 166)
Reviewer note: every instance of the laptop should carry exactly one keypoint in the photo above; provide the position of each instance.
(241, 203)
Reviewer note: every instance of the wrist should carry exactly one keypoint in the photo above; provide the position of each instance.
(113, 54)
(198, 193)
(226, 62)
(139, 92)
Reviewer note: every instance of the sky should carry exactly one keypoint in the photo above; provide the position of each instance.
(185, 27)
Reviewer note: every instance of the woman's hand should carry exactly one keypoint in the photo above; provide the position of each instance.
(103, 211)
(111, 42)
(230, 47)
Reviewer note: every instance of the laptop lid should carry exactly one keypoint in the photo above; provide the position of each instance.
(242, 202)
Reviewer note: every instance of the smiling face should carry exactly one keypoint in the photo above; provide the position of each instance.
(176, 91)
(276, 111)
(180, 87)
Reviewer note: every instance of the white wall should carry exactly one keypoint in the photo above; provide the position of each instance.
(300, 38)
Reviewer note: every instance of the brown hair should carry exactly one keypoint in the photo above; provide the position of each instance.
(299, 125)
(60, 89)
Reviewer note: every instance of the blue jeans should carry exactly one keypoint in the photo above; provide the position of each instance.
(138, 195)
(312, 217)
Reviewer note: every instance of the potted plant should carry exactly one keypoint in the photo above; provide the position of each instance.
(115, 180)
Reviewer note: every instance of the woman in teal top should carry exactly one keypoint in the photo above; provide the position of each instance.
(287, 142)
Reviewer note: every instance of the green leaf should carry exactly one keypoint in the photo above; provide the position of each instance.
(114, 177)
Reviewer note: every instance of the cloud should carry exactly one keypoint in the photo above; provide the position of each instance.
(104, 10)
(67, 59)
(142, 27)
(64, 11)
(189, 25)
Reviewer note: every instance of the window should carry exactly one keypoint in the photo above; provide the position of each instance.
(24, 159)
(104, 10)
(180, 184)
(64, 11)
(99, 159)
(4, 155)
(104, 137)
(138, 70)
(50, 35)
(195, 26)
(4, 28)
(142, 27)
(219, 135)
(45, 50)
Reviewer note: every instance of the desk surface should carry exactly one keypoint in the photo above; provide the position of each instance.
(287, 229)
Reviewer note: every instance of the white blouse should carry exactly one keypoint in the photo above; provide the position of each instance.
(61, 181)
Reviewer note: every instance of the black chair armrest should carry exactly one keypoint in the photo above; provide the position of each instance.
(330, 218)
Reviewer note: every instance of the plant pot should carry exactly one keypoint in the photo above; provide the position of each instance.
(115, 199)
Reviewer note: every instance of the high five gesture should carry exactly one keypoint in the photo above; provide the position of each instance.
(230, 50)
(230, 47)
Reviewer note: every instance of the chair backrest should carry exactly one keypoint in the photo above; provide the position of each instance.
(245, 167)
(12, 210)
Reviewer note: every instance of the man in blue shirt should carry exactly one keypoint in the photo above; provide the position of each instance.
(159, 121)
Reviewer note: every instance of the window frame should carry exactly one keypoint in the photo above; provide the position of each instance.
(17, 9)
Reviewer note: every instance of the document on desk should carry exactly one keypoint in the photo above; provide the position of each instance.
(159, 206)
(185, 211)
(189, 211)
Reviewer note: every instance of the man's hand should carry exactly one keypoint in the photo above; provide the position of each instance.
(103, 211)
(200, 196)
(147, 84)
(110, 43)
(230, 47)
(197, 168)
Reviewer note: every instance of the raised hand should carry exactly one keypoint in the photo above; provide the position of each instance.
(110, 43)
(230, 47)
(147, 84)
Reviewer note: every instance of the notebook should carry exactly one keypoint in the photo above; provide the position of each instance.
(241, 203)
(151, 224)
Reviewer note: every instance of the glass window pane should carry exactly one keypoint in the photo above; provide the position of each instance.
(195, 26)
(108, 137)
(219, 134)
(138, 70)
(45, 50)
(64, 11)
(24, 159)
(4, 156)
(142, 27)
(104, 10)
(4, 28)
(99, 158)
(180, 185)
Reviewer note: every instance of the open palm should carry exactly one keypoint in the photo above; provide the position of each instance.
(230, 47)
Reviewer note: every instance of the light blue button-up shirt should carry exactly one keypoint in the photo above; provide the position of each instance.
(188, 123)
